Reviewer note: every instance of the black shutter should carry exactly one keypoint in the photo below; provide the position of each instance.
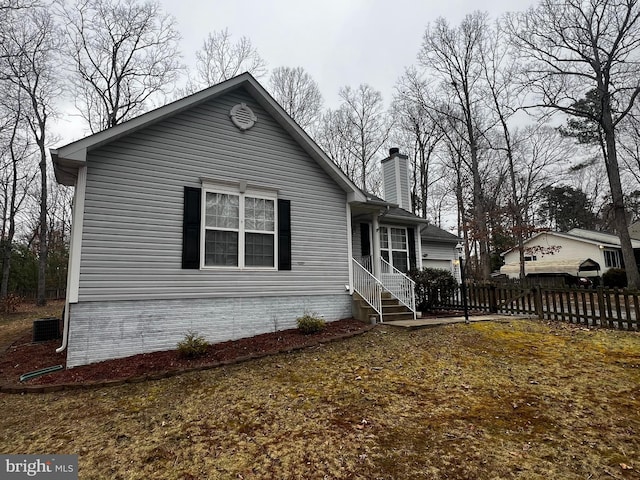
(411, 233)
(365, 241)
(191, 228)
(284, 234)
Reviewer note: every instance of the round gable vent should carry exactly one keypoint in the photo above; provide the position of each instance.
(243, 117)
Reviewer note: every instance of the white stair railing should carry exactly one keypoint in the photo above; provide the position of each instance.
(367, 286)
(399, 285)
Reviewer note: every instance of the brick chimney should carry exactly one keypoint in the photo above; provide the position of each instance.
(395, 179)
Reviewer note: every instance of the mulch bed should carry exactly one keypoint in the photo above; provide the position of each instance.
(24, 356)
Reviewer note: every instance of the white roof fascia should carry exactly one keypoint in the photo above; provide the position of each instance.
(79, 148)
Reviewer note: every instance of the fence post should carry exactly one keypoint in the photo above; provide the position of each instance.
(493, 304)
(602, 309)
(537, 301)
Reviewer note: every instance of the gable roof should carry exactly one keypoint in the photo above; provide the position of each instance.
(431, 232)
(67, 159)
(590, 237)
(392, 210)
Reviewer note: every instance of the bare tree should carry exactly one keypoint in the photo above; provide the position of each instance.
(15, 175)
(411, 117)
(30, 60)
(572, 47)
(366, 129)
(297, 93)
(126, 57)
(220, 58)
(540, 157)
(331, 136)
(8, 8)
(630, 143)
(453, 55)
(503, 100)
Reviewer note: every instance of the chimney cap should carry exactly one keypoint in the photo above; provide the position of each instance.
(393, 151)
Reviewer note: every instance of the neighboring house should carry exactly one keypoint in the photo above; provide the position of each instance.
(634, 231)
(578, 253)
(218, 214)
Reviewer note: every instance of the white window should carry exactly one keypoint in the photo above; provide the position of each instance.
(531, 258)
(612, 259)
(239, 227)
(394, 247)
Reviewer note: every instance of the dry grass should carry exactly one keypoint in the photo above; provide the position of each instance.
(14, 324)
(486, 401)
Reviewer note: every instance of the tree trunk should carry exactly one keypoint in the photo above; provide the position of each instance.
(617, 197)
(478, 197)
(479, 213)
(11, 210)
(8, 241)
(43, 250)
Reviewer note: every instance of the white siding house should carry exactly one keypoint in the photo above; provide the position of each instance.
(579, 253)
(215, 214)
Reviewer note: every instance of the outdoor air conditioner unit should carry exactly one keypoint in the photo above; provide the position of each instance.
(46, 329)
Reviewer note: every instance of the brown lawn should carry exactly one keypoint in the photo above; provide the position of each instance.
(498, 400)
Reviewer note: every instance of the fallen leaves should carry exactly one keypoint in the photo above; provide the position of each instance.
(454, 402)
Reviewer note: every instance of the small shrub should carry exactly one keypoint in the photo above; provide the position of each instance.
(433, 287)
(309, 324)
(192, 346)
(615, 278)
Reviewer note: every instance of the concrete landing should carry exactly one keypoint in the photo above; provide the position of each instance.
(432, 322)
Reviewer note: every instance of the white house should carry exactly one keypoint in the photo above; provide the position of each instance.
(218, 214)
(579, 253)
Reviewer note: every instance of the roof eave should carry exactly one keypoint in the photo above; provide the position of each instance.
(406, 219)
(64, 169)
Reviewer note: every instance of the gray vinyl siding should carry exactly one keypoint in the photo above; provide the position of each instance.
(391, 193)
(439, 264)
(439, 251)
(389, 181)
(116, 329)
(132, 235)
(405, 196)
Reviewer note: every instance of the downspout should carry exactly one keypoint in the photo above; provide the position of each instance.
(73, 269)
(65, 328)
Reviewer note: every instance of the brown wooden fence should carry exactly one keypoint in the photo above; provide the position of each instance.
(612, 308)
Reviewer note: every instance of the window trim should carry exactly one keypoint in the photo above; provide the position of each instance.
(616, 254)
(241, 190)
(390, 249)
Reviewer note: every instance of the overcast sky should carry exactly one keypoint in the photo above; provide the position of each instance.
(338, 42)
